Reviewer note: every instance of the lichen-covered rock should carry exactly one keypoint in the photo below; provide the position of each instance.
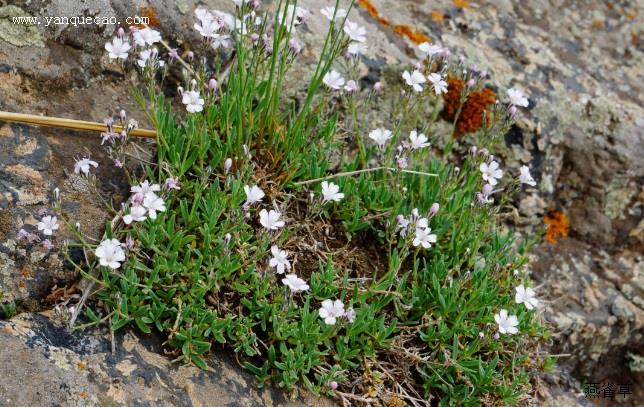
(44, 364)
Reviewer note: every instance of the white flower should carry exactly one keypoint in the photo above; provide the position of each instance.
(294, 283)
(117, 48)
(356, 48)
(333, 80)
(83, 165)
(153, 204)
(430, 49)
(253, 194)
(328, 13)
(221, 41)
(294, 14)
(193, 101)
(137, 214)
(491, 172)
(440, 86)
(331, 192)
(403, 222)
(331, 310)
(351, 86)
(422, 223)
(424, 238)
(526, 296)
(525, 177)
(229, 20)
(279, 260)
(517, 98)
(203, 14)
(145, 55)
(270, 220)
(48, 224)
(208, 27)
(145, 189)
(355, 32)
(110, 253)
(418, 140)
(507, 324)
(146, 36)
(380, 136)
(414, 79)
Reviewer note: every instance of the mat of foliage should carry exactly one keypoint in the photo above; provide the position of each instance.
(324, 239)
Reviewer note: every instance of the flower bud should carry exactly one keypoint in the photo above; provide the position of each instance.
(434, 209)
(122, 114)
(295, 46)
(471, 83)
(228, 164)
(120, 32)
(212, 84)
(512, 111)
(333, 385)
(191, 55)
(351, 86)
(487, 189)
(377, 87)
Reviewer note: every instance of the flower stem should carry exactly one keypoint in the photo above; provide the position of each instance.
(349, 173)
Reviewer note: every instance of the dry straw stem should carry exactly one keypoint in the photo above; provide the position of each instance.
(63, 123)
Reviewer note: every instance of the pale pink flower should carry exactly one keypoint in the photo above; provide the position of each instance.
(330, 311)
(270, 219)
(48, 225)
(507, 323)
(414, 79)
(491, 172)
(294, 283)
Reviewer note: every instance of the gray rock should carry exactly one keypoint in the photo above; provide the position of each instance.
(78, 369)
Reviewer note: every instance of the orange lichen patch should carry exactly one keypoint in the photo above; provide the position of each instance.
(452, 98)
(413, 35)
(631, 14)
(437, 16)
(558, 226)
(474, 110)
(81, 366)
(597, 24)
(151, 14)
(83, 394)
(367, 6)
(404, 30)
(461, 3)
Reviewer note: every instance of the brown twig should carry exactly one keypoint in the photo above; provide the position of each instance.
(59, 122)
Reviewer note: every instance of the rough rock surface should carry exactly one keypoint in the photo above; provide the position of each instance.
(79, 369)
(583, 135)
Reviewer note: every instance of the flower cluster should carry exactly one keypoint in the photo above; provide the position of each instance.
(145, 38)
(420, 226)
(357, 36)
(508, 324)
(145, 202)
